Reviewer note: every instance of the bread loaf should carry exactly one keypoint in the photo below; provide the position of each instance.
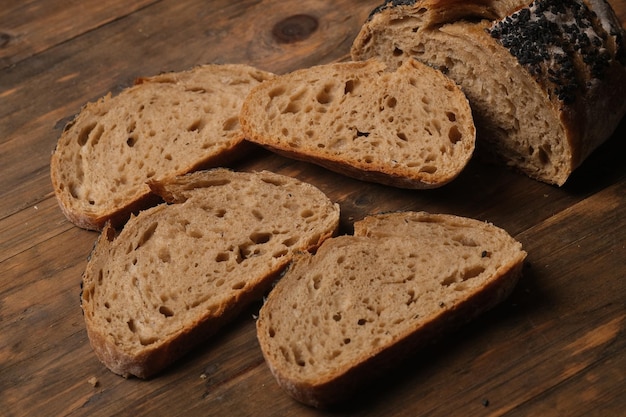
(177, 272)
(163, 126)
(360, 304)
(410, 128)
(546, 81)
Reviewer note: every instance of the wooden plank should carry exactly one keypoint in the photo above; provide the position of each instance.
(559, 328)
(30, 27)
(556, 347)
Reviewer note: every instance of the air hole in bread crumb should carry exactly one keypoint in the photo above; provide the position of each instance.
(361, 322)
(196, 126)
(145, 341)
(220, 213)
(166, 311)
(83, 136)
(454, 134)
(465, 241)
(131, 325)
(397, 51)
(472, 272)
(325, 96)
(222, 257)
(147, 235)
(428, 169)
(164, 255)
(337, 316)
(238, 285)
(196, 234)
(260, 237)
(402, 136)
(418, 49)
(392, 102)
(276, 92)
(317, 281)
(349, 86)
(290, 241)
(279, 254)
(130, 142)
(292, 107)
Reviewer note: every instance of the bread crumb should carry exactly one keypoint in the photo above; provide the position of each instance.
(93, 381)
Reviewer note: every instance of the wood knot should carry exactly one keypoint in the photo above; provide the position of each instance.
(295, 28)
(5, 38)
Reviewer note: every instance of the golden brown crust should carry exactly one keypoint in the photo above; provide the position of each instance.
(409, 127)
(155, 129)
(322, 378)
(178, 272)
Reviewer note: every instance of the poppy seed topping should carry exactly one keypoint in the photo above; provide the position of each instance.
(561, 43)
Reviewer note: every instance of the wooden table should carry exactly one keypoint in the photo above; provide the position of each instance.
(556, 347)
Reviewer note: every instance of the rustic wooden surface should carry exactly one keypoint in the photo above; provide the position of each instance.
(555, 348)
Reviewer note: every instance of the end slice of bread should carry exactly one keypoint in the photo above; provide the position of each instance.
(362, 303)
(409, 128)
(178, 272)
(163, 126)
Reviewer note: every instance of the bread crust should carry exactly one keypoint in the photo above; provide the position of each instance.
(584, 46)
(166, 264)
(152, 130)
(429, 164)
(338, 383)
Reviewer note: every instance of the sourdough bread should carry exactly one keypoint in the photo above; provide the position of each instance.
(546, 81)
(163, 126)
(410, 128)
(177, 272)
(360, 304)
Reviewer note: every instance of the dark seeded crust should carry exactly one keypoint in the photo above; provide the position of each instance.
(583, 89)
(586, 83)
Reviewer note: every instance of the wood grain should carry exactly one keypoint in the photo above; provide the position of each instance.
(556, 347)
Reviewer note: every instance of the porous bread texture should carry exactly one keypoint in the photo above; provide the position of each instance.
(411, 127)
(546, 83)
(163, 126)
(178, 272)
(356, 308)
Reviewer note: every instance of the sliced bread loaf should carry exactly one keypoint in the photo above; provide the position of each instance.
(546, 81)
(163, 126)
(177, 272)
(363, 302)
(410, 128)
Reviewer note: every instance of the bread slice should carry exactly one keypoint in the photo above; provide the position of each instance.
(410, 128)
(546, 81)
(178, 272)
(163, 126)
(360, 304)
